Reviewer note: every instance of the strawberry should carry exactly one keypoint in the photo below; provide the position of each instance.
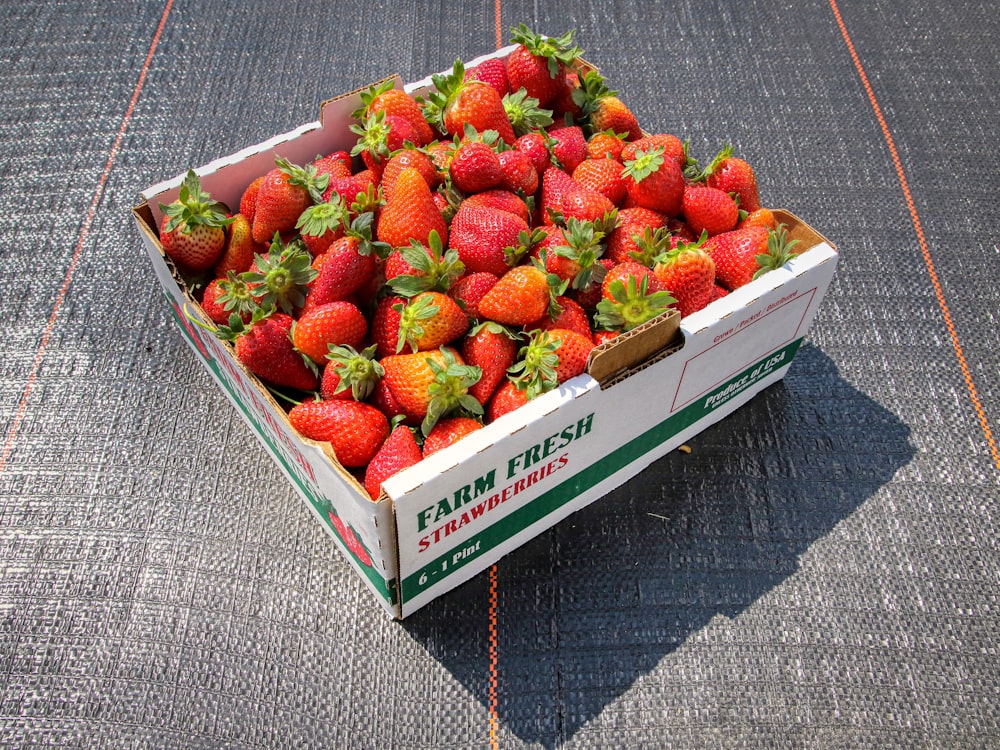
(399, 451)
(408, 157)
(603, 110)
(236, 297)
(379, 136)
(604, 176)
(349, 373)
(523, 294)
(266, 350)
(335, 323)
(248, 200)
(415, 269)
(630, 301)
(240, 248)
(456, 103)
(555, 184)
(349, 264)
(587, 204)
(216, 310)
(322, 223)
(687, 272)
(492, 348)
(673, 147)
(337, 164)
(536, 146)
(606, 145)
(492, 71)
(411, 214)
(708, 209)
(743, 255)
(762, 217)
(430, 385)
(538, 64)
(571, 315)
(193, 230)
(392, 101)
(507, 397)
(568, 146)
(385, 324)
(501, 199)
(287, 190)
(632, 222)
(733, 175)
(448, 432)
(429, 321)
(524, 113)
(487, 239)
(572, 253)
(588, 296)
(475, 167)
(469, 289)
(517, 172)
(654, 181)
(549, 358)
(354, 430)
(281, 278)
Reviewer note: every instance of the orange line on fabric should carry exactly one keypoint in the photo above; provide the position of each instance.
(924, 249)
(81, 240)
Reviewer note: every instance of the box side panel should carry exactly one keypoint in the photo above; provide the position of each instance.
(365, 531)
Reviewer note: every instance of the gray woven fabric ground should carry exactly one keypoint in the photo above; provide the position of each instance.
(820, 571)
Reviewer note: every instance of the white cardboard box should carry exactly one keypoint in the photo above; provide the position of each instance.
(460, 510)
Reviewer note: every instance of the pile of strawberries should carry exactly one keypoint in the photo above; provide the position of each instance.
(467, 255)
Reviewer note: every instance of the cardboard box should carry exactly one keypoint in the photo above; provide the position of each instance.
(453, 515)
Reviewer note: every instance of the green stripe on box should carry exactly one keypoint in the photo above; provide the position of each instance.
(476, 546)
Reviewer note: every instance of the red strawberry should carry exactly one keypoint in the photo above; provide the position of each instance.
(517, 172)
(536, 146)
(632, 222)
(399, 451)
(431, 385)
(411, 214)
(571, 315)
(471, 288)
(604, 176)
(708, 209)
(605, 145)
(630, 300)
(266, 350)
(604, 110)
(216, 311)
(392, 101)
(248, 201)
(568, 146)
(335, 323)
(379, 136)
(349, 264)
(475, 167)
(492, 71)
(520, 296)
(285, 193)
(687, 272)
(281, 278)
(481, 236)
(673, 147)
(492, 348)
(350, 374)
(322, 223)
(501, 199)
(507, 397)
(586, 204)
(413, 158)
(733, 175)
(654, 182)
(418, 268)
(555, 184)
(538, 64)
(193, 232)
(623, 271)
(448, 432)
(385, 324)
(572, 254)
(336, 164)
(762, 217)
(524, 113)
(742, 255)
(240, 248)
(456, 103)
(429, 321)
(354, 430)
(549, 358)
